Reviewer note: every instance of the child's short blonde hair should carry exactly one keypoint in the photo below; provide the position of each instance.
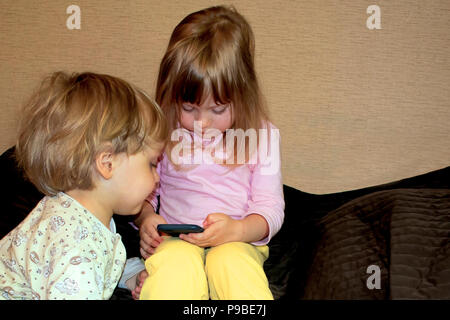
(73, 118)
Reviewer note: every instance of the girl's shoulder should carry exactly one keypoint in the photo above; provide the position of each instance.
(268, 126)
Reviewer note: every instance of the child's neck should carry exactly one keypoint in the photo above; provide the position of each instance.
(92, 202)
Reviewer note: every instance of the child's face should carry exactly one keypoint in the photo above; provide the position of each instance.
(211, 115)
(134, 178)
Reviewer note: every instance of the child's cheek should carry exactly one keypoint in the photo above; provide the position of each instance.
(187, 121)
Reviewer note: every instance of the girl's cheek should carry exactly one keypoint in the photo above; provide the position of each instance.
(187, 122)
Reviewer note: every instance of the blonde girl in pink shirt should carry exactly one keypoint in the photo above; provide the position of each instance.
(221, 169)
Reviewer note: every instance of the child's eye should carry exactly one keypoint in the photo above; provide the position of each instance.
(220, 109)
(153, 164)
(187, 108)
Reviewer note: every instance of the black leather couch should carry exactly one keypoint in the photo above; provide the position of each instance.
(295, 269)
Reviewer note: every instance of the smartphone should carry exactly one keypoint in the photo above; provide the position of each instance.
(175, 230)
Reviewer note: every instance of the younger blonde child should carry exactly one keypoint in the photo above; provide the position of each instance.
(90, 143)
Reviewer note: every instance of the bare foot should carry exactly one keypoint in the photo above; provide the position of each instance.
(139, 282)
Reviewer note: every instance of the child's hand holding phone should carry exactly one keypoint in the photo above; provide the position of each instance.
(150, 238)
(219, 228)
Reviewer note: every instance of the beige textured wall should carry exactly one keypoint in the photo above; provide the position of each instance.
(356, 107)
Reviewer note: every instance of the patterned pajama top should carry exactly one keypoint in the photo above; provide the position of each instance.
(60, 251)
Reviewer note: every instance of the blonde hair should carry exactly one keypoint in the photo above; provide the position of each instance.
(73, 118)
(212, 52)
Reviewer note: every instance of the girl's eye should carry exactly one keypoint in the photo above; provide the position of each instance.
(220, 109)
(187, 108)
(153, 165)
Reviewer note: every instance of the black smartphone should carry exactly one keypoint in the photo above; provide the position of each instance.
(175, 230)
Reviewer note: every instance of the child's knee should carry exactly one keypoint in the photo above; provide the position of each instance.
(235, 271)
(230, 257)
(176, 271)
(179, 251)
(231, 252)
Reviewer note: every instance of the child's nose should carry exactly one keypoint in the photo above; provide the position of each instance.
(205, 119)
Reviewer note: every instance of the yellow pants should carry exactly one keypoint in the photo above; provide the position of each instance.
(179, 270)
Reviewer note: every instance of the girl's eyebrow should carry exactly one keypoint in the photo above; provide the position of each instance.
(210, 107)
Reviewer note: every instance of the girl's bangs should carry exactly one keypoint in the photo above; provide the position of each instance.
(195, 85)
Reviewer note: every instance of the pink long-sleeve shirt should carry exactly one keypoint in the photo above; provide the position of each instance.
(190, 192)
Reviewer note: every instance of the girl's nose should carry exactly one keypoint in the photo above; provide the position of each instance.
(206, 121)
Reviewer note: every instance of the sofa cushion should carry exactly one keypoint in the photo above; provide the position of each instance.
(292, 250)
(403, 234)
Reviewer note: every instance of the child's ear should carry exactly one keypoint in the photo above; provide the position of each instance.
(104, 164)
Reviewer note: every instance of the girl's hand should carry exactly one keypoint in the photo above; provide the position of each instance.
(150, 238)
(219, 228)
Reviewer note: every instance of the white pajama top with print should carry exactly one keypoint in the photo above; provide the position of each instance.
(60, 251)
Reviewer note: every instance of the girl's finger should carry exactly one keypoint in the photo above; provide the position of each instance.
(144, 253)
(144, 245)
(156, 236)
(145, 237)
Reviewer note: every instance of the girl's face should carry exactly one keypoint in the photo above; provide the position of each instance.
(209, 113)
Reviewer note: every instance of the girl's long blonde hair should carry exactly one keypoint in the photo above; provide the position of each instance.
(212, 52)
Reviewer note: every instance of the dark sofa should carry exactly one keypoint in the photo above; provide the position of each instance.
(327, 242)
